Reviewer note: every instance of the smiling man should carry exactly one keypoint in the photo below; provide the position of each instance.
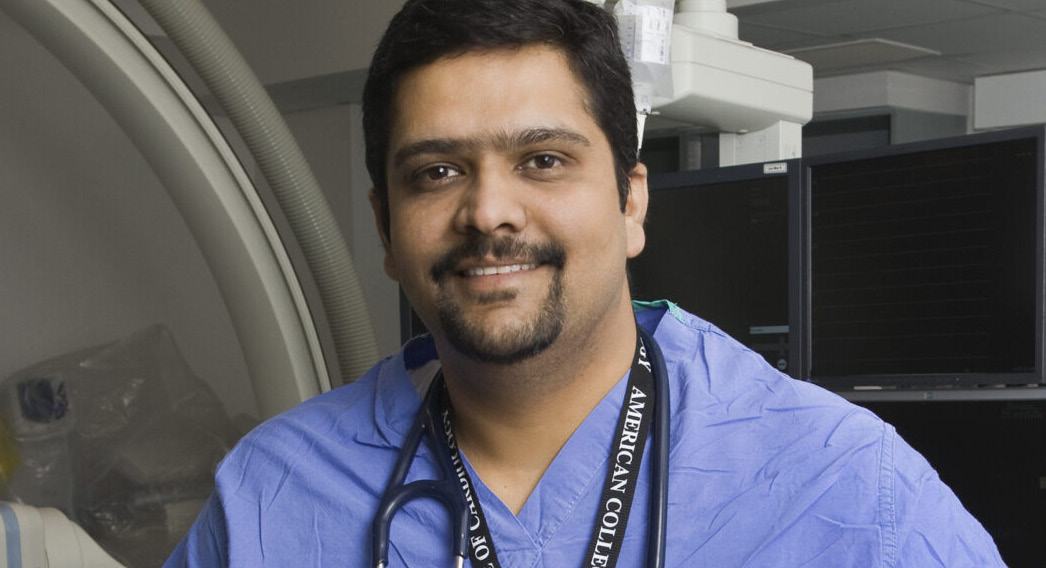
(508, 237)
(502, 144)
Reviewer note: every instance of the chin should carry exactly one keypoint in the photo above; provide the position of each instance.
(504, 346)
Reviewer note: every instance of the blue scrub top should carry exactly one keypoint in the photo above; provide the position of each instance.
(765, 471)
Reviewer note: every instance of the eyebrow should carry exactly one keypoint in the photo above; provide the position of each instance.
(500, 141)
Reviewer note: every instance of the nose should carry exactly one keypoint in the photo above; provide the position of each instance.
(492, 204)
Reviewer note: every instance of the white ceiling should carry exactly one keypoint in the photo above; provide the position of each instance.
(957, 40)
(965, 38)
(954, 40)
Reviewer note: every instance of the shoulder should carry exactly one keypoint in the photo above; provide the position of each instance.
(206, 544)
(770, 460)
(320, 467)
(781, 461)
(729, 395)
(371, 412)
(715, 376)
(925, 524)
(328, 431)
(302, 488)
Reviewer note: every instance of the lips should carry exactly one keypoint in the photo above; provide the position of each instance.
(488, 257)
(492, 270)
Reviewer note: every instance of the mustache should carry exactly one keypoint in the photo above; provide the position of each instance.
(546, 252)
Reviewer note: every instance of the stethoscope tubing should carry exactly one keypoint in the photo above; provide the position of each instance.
(657, 535)
(447, 490)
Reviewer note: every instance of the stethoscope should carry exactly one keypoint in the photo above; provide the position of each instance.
(447, 489)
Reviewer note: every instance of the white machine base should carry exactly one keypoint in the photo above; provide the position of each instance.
(45, 538)
(782, 141)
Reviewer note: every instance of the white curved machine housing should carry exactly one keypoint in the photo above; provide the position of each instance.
(215, 199)
(45, 538)
(758, 99)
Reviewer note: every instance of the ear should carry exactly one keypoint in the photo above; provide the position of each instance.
(379, 222)
(635, 210)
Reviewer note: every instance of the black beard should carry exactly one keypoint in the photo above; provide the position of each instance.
(525, 340)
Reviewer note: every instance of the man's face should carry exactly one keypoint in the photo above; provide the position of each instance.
(506, 230)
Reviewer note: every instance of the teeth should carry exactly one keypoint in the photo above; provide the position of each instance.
(492, 270)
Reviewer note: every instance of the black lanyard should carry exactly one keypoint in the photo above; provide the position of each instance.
(626, 454)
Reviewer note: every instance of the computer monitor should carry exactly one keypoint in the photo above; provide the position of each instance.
(724, 244)
(926, 263)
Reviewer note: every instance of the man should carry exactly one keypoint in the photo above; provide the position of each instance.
(501, 142)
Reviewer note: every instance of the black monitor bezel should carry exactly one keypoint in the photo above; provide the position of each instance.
(792, 170)
(935, 380)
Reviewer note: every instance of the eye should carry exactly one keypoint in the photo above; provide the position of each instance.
(433, 176)
(543, 162)
(437, 173)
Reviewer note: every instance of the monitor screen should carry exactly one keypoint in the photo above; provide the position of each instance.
(925, 263)
(722, 244)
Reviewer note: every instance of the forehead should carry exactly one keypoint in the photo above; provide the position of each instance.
(488, 91)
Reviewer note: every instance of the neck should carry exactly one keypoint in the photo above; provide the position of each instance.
(512, 420)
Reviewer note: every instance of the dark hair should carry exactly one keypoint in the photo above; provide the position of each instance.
(426, 30)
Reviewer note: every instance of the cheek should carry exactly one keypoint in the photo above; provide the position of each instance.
(391, 270)
(597, 252)
(407, 257)
(416, 245)
(401, 252)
